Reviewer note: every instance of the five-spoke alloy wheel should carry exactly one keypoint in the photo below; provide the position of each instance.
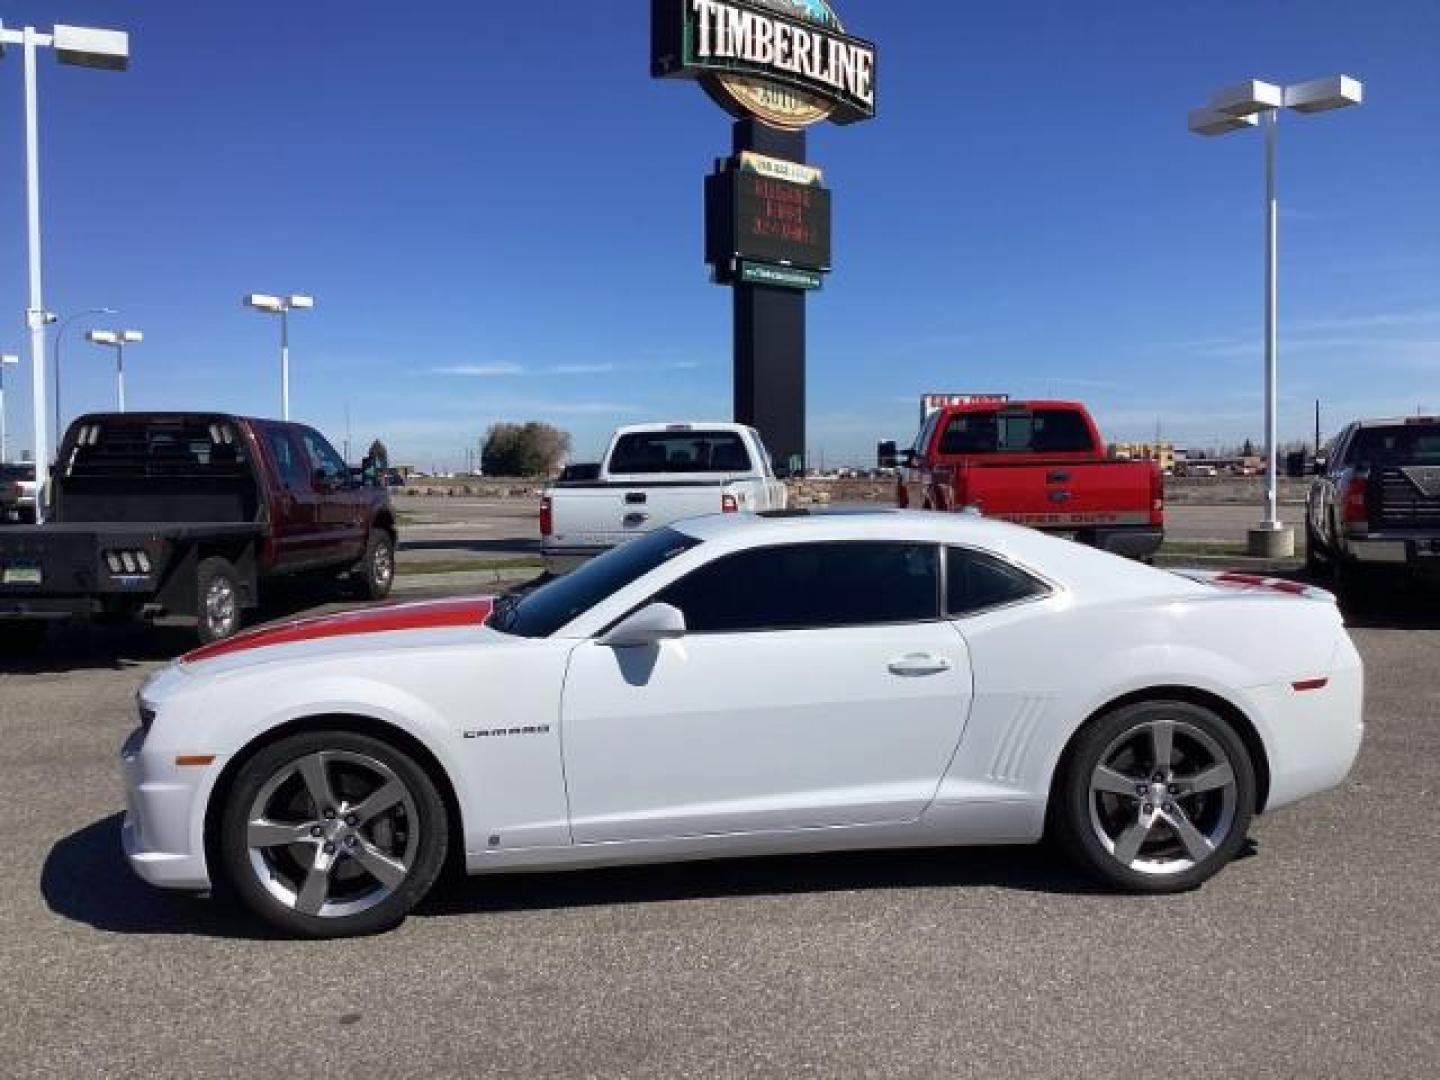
(1156, 796)
(332, 833)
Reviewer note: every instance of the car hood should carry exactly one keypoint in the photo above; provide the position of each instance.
(347, 630)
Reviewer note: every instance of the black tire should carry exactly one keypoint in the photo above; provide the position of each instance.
(21, 637)
(218, 611)
(1316, 565)
(1168, 858)
(415, 839)
(374, 576)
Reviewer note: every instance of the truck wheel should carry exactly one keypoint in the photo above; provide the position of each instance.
(376, 572)
(21, 637)
(217, 601)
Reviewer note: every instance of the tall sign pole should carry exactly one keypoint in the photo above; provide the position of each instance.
(777, 66)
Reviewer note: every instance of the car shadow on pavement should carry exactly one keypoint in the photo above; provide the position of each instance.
(86, 879)
(514, 546)
(1029, 868)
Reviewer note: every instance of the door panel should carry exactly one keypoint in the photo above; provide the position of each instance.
(725, 733)
(295, 524)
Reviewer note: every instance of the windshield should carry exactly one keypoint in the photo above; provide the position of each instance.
(1043, 431)
(680, 452)
(542, 612)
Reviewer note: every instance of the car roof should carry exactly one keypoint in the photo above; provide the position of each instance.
(679, 427)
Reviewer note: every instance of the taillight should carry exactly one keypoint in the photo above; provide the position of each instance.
(729, 504)
(547, 517)
(1355, 511)
(1157, 497)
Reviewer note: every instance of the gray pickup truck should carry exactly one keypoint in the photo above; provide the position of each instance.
(1374, 505)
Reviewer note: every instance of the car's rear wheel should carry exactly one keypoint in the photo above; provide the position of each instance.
(1156, 797)
(332, 834)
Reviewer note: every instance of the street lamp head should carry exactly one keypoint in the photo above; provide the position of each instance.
(88, 46)
(1248, 98)
(131, 337)
(1212, 122)
(7, 359)
(300, 303)
(1322, 95)
(265, 302)
(102, 337)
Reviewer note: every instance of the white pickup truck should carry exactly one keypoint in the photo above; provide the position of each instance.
(652, 475)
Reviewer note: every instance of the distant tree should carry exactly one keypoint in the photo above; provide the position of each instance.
(531, 449)
(1248, 450)
(379, 455)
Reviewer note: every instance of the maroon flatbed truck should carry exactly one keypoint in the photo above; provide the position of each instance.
(1036, 463)
(190, 514)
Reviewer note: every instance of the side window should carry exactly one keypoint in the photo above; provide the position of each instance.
(811, 586)
(323, 457)
(287, 458)
(975, 582)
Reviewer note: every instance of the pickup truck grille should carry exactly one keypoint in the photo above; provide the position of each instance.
(1407, 497)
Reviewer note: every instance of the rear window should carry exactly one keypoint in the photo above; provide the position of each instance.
(1402, 444)
(680, 452)
(188, 448)
(1043, 431)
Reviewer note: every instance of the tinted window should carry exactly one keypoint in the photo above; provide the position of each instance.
(287, 458)
(810, 585)
(680, 452)
(548, 608)
(974, 582)
(1043, 431)
(323, 457)
(1403, 444)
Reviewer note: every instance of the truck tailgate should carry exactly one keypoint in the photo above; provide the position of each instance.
(606, 514)
(1061, 495)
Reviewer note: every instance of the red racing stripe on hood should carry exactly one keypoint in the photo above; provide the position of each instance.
(424, 615)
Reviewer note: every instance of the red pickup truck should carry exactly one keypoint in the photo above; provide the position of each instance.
(1036, 463)
(190, 514)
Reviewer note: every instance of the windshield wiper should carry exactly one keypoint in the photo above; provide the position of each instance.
(504, 614)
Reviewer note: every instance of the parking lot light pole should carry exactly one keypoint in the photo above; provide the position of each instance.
(117, 340)
(282, 306)
(60, 340)
(1234, 109)
(6, 360)
(81, 46)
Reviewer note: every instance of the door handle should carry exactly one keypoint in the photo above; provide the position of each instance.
(918, 665)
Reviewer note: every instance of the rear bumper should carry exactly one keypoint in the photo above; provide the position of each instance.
(1388, 549)
(160, 836)
(1131, 541)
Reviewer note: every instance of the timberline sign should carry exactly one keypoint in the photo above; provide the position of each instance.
(788, 63)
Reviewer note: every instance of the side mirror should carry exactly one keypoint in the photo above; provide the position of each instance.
(649, 626)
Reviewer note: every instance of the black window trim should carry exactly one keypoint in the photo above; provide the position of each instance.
(1047, 590)
(940, 585)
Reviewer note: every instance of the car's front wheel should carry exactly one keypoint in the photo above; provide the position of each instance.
(332, 834)
(1156, 796)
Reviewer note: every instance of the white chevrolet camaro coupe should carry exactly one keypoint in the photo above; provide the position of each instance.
(743, 685)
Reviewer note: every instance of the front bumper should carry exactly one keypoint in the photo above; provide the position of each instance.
(163, 834)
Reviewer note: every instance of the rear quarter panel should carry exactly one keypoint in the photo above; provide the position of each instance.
(1043, 669)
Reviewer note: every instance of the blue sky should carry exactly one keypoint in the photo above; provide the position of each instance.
(499, 214)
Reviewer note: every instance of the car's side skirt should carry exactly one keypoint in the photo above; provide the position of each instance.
(1001, 821)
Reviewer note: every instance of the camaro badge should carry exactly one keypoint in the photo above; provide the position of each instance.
(505, 732)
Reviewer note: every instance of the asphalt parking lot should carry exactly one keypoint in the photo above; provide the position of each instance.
(1313, 956)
